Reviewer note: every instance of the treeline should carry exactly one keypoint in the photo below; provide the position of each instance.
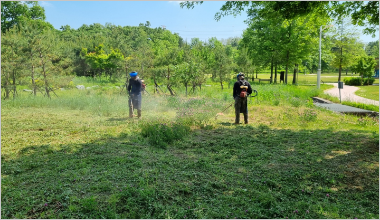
(43, 58)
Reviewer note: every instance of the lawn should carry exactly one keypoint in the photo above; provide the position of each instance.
(369, 92)
(79, 156)
(308, 78)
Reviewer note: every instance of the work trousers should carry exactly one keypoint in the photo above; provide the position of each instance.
(134, 103)
(241, 107)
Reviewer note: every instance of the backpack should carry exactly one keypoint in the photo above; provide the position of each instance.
(244, 87)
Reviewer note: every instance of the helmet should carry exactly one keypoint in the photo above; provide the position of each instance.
(133, 74)
(240, 74)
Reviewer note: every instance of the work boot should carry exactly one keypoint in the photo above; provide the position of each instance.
(139, 113)
(246, 118)
(237, 119)
(130, 113)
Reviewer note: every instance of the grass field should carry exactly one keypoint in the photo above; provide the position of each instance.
(369, 92)
(308, 78)
(79, 156)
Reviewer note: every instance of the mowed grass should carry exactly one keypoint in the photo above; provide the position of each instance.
(308, 78)
(79, 156)
(369, 92)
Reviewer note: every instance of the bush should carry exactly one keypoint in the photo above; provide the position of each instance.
(162, 134)
(371, 80)
(352, 81)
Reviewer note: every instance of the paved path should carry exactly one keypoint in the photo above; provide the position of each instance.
(348, 94)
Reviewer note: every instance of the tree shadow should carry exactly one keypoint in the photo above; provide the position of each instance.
(210, 163)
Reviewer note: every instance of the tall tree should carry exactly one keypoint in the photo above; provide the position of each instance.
(13, 12)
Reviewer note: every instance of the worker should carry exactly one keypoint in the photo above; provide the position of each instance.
(134, 92)
(242, 89)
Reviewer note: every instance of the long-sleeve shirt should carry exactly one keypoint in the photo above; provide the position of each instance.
(134, 86)
(237, 89)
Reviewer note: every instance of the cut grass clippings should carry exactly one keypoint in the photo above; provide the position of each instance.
(293, 160)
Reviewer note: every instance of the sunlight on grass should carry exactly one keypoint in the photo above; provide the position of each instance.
(82, 156)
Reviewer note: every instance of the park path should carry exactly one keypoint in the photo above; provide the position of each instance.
(348, 94)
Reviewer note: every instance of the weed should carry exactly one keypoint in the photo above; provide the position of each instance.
(309, 115)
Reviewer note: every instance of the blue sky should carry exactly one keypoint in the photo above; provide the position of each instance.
(189, 23)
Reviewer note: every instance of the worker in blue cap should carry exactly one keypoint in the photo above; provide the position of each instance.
(134, 91)
(242, 89)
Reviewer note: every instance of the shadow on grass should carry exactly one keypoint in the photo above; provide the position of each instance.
(242, 171)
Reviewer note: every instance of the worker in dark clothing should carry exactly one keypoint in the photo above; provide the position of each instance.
(134, 91)
(242, 89)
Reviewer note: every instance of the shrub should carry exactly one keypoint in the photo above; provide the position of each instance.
(371, 80)
(162, 134)
(357, 81)
(352, 81)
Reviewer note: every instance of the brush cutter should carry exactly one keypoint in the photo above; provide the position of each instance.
(221, 113)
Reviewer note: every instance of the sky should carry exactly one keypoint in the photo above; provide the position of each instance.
(188, 23)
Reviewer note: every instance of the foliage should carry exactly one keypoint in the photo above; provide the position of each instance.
(162, 134)
(368, 81)
(14, 12)
(363, 13)
(353, 81)
(365, 66)
(101, 61)
(372, 49)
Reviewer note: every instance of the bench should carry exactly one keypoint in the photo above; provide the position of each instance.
(264, 80)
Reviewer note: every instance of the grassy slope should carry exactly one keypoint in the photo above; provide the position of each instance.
(80, 157)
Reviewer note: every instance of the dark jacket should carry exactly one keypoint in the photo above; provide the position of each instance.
(237, 89)
(135, 85)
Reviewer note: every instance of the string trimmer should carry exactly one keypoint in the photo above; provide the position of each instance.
(221, 113)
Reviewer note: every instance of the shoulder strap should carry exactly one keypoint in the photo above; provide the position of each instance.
(243, 82)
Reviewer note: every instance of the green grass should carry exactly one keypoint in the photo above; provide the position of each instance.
(79, 156)
(369, 92)
(306, 79)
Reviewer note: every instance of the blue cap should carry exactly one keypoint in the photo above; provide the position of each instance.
(133, 74)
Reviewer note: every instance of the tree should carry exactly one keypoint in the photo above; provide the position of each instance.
(13, 12)
(363, 13)
(102, 62)
(372, 49)
(12, 59)
(346, 47)
(365, 66)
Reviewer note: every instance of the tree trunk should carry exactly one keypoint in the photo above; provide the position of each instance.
(275, 73)
(286, 70)
(170, 90)
(256, 74)
(34, 82)
(6, 86)
(271, 71)
(45, 77)
(14, 84)
(186, 89)
(294, 74)
(220, 77)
